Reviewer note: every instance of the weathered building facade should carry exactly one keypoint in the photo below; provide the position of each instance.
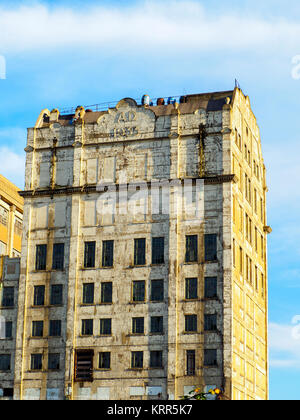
(9, 289)
(124, 293)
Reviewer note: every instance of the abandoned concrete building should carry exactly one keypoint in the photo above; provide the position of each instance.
(144, 254)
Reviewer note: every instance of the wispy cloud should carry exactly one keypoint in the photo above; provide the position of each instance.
(175, 25)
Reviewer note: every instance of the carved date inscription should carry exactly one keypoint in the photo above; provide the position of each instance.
(123, 118)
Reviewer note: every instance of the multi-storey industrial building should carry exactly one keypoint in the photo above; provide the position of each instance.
(144, 254)
(11, 216)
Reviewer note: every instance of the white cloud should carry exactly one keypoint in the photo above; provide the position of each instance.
(284, 342)
(175, 25)
(12, 165)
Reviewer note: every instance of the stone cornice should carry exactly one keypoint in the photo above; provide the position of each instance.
(90, 189)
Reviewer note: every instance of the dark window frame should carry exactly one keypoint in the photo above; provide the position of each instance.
(90, 254)
(138, 294)
(36, 362)
(211, 287)
(41, 257)
(37, 330)
(39, 295)
(88, 293)
(104, 360)
(107, 295)
(155, 296)
(210, 358)
(158, 250)
(87, 327)
(190, 362)
(54, 295)
(8, 329)
(191, 323)
(108, 254)
(191, 249)
(55, 328)
(8, 297)
(140, 252)
(211, 247)
(106, 326)
(210, 322)
(189, 288)
(157, 325)
(54, 364)
(138, 326)
(137, 360)
(5, 360)
(58, 257)
(156, 359)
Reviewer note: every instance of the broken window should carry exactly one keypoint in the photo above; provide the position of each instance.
(210, 244)
(191, 323)
(210, 322)
(41, 257)
(157, 290)
(39, 296)
(88, 294)
(56, 297)
(53, 361)
(106, 292)
(191, 288)
(138, 291)
(8, 297)
(104, 360)
(108, 254)
(87, 327)
(84, 365)
(157, 324)
(191, 254)
(36, 362)
(5, 362)
(37, 328)
(58, 256)
(138, 325)
(137, 360)
(139, 251)
(210, 287)
(210, 357)
(156, 359)
(55, 328)
(190, 362)
(89, 254)
(158, 250)
(105, 326)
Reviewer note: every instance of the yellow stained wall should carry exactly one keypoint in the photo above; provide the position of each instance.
(249, 353)
(12, 202)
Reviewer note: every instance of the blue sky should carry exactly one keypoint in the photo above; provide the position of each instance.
(69, 53)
